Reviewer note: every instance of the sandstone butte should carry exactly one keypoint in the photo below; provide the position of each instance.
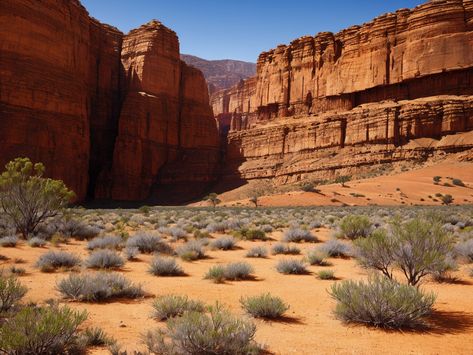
(113, 115)
(395, 89)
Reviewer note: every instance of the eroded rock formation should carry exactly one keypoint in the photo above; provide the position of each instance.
(360, 97)
(105, 112)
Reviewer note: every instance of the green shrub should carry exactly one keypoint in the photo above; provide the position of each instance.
(160, 266)
(354, 226)
(170, 306)
(326, 275)
(96, 337)
(198, 333)
(250, 234)
(11, 292)
(264, 306)
(316, 257)
(293, 266)
(216, 274)
(381, 302)
(42, 330)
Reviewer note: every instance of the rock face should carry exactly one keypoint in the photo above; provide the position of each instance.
(221, 74)
(105, 112)
(369, 90)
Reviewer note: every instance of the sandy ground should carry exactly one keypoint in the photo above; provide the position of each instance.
(310, 327)
(413, 187)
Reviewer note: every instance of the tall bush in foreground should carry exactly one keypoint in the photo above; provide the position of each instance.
(381, 302)
(28, 198)
(11, 292)
(218, 332)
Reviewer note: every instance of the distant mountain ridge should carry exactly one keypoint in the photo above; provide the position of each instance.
(221, 74)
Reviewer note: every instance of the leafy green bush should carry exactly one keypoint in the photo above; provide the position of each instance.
(198, 333)
(98, 287)
(170, 306)
(42, 330)
(264, 306)
(251, 234)
(355, 226)
(381, 302)
(104, 259)
(11, 292)
(292, 266)
(160, 266)
(53, 260)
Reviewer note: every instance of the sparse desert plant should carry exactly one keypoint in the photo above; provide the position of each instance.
(42, 330)
(218, 332)
(342, 180)
(36, 242)
(9, 241)
(296, 235)
(238, 271)
(465, 249)
(381, 302)
(446, 199)
(149, 243)
(177, 233)
(11, 292)
(106, 242)
(355, 226)
(161, 266)
(291, 266)
(213, 199)
(18, 271)
(437, 179)
(104, 259)
(192, 250)
(326, 275)
(170, 306)
(458, 182)
(216, 273)
(251, 234)
(285, 249)
(131, 253)
(223, 243)
(98, 287)
(71, 227)
(257, 252)
(335, 248)
(316, 257)
(308, 187)
(53, 260)
(28, 198)
(198, 234)
(264, 306)
(96, 337)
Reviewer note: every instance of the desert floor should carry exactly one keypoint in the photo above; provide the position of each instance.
(310, 327)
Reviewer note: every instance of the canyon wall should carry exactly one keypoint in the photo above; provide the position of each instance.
(105, 112)
(370, 88)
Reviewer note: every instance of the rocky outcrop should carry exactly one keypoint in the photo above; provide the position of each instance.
(105, 112)
(381, 84)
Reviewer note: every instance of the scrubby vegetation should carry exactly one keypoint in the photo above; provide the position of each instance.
(104, 259)
(291, 266)
(170, 306)
(53, 260)
(162, 266)
(264, 306)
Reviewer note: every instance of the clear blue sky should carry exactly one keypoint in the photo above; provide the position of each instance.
(241, 29)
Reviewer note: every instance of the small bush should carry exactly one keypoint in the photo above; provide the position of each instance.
(9, 241)
(104, 259)
(465, 249)
(316, 257)
(335, 248)
(264, 306)
(354, 226)
(458, 182)
(326, 275)
(192, 250)
(292, 266)
(131, 253)
(218, 333)
(17, 270)
(78, 229)
(107, 242)
(198, 234)
(257, 252)
(285, 249)
(177, 233)
(296, 235)
(53, 260)
(216, 274)
(160, 266)
(437, 179)
(148, 243)
(36, 242)
(98, 287)
(251, 234)
(447, 199)
(11, 292)
(223, 243)
(42, 330)
(308, 187)
(96, 337)
(238, 271)
(170, 306)
(381, 302)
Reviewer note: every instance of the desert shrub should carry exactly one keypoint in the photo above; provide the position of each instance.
(149, 243)
(343, 179)
(458, 182)
(19, 271)
(465, 249)
(381, 302)
(296, 235)
(285, 249)
(198, 234)
(192, 250)
(316, 257)
(28, 198)
(131, 253)
(9, 241)
(42, 330)
(53, 260)
(355, 226)
(315, 225)
(326, 275)
(11, 292)
(213, 199)
(264, 306)
(78, 229)
(335, 248)
(104, 259)
(36, 242)
(418, 248)
(308, 187)
(198, 333)
(177, 233)
(219, 227)
(223, 243)
(437, 179)
(216, 273)
(266, 228)
(98, 287)
(160, 266)
(170, 306)
(291, 266)
(238, 271)
(257, 252)
(96, 337)
(446, 199)
(251, 234)
(106, 242)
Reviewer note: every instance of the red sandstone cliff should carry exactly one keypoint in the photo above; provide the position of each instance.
(326, 81)
(105, 112)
